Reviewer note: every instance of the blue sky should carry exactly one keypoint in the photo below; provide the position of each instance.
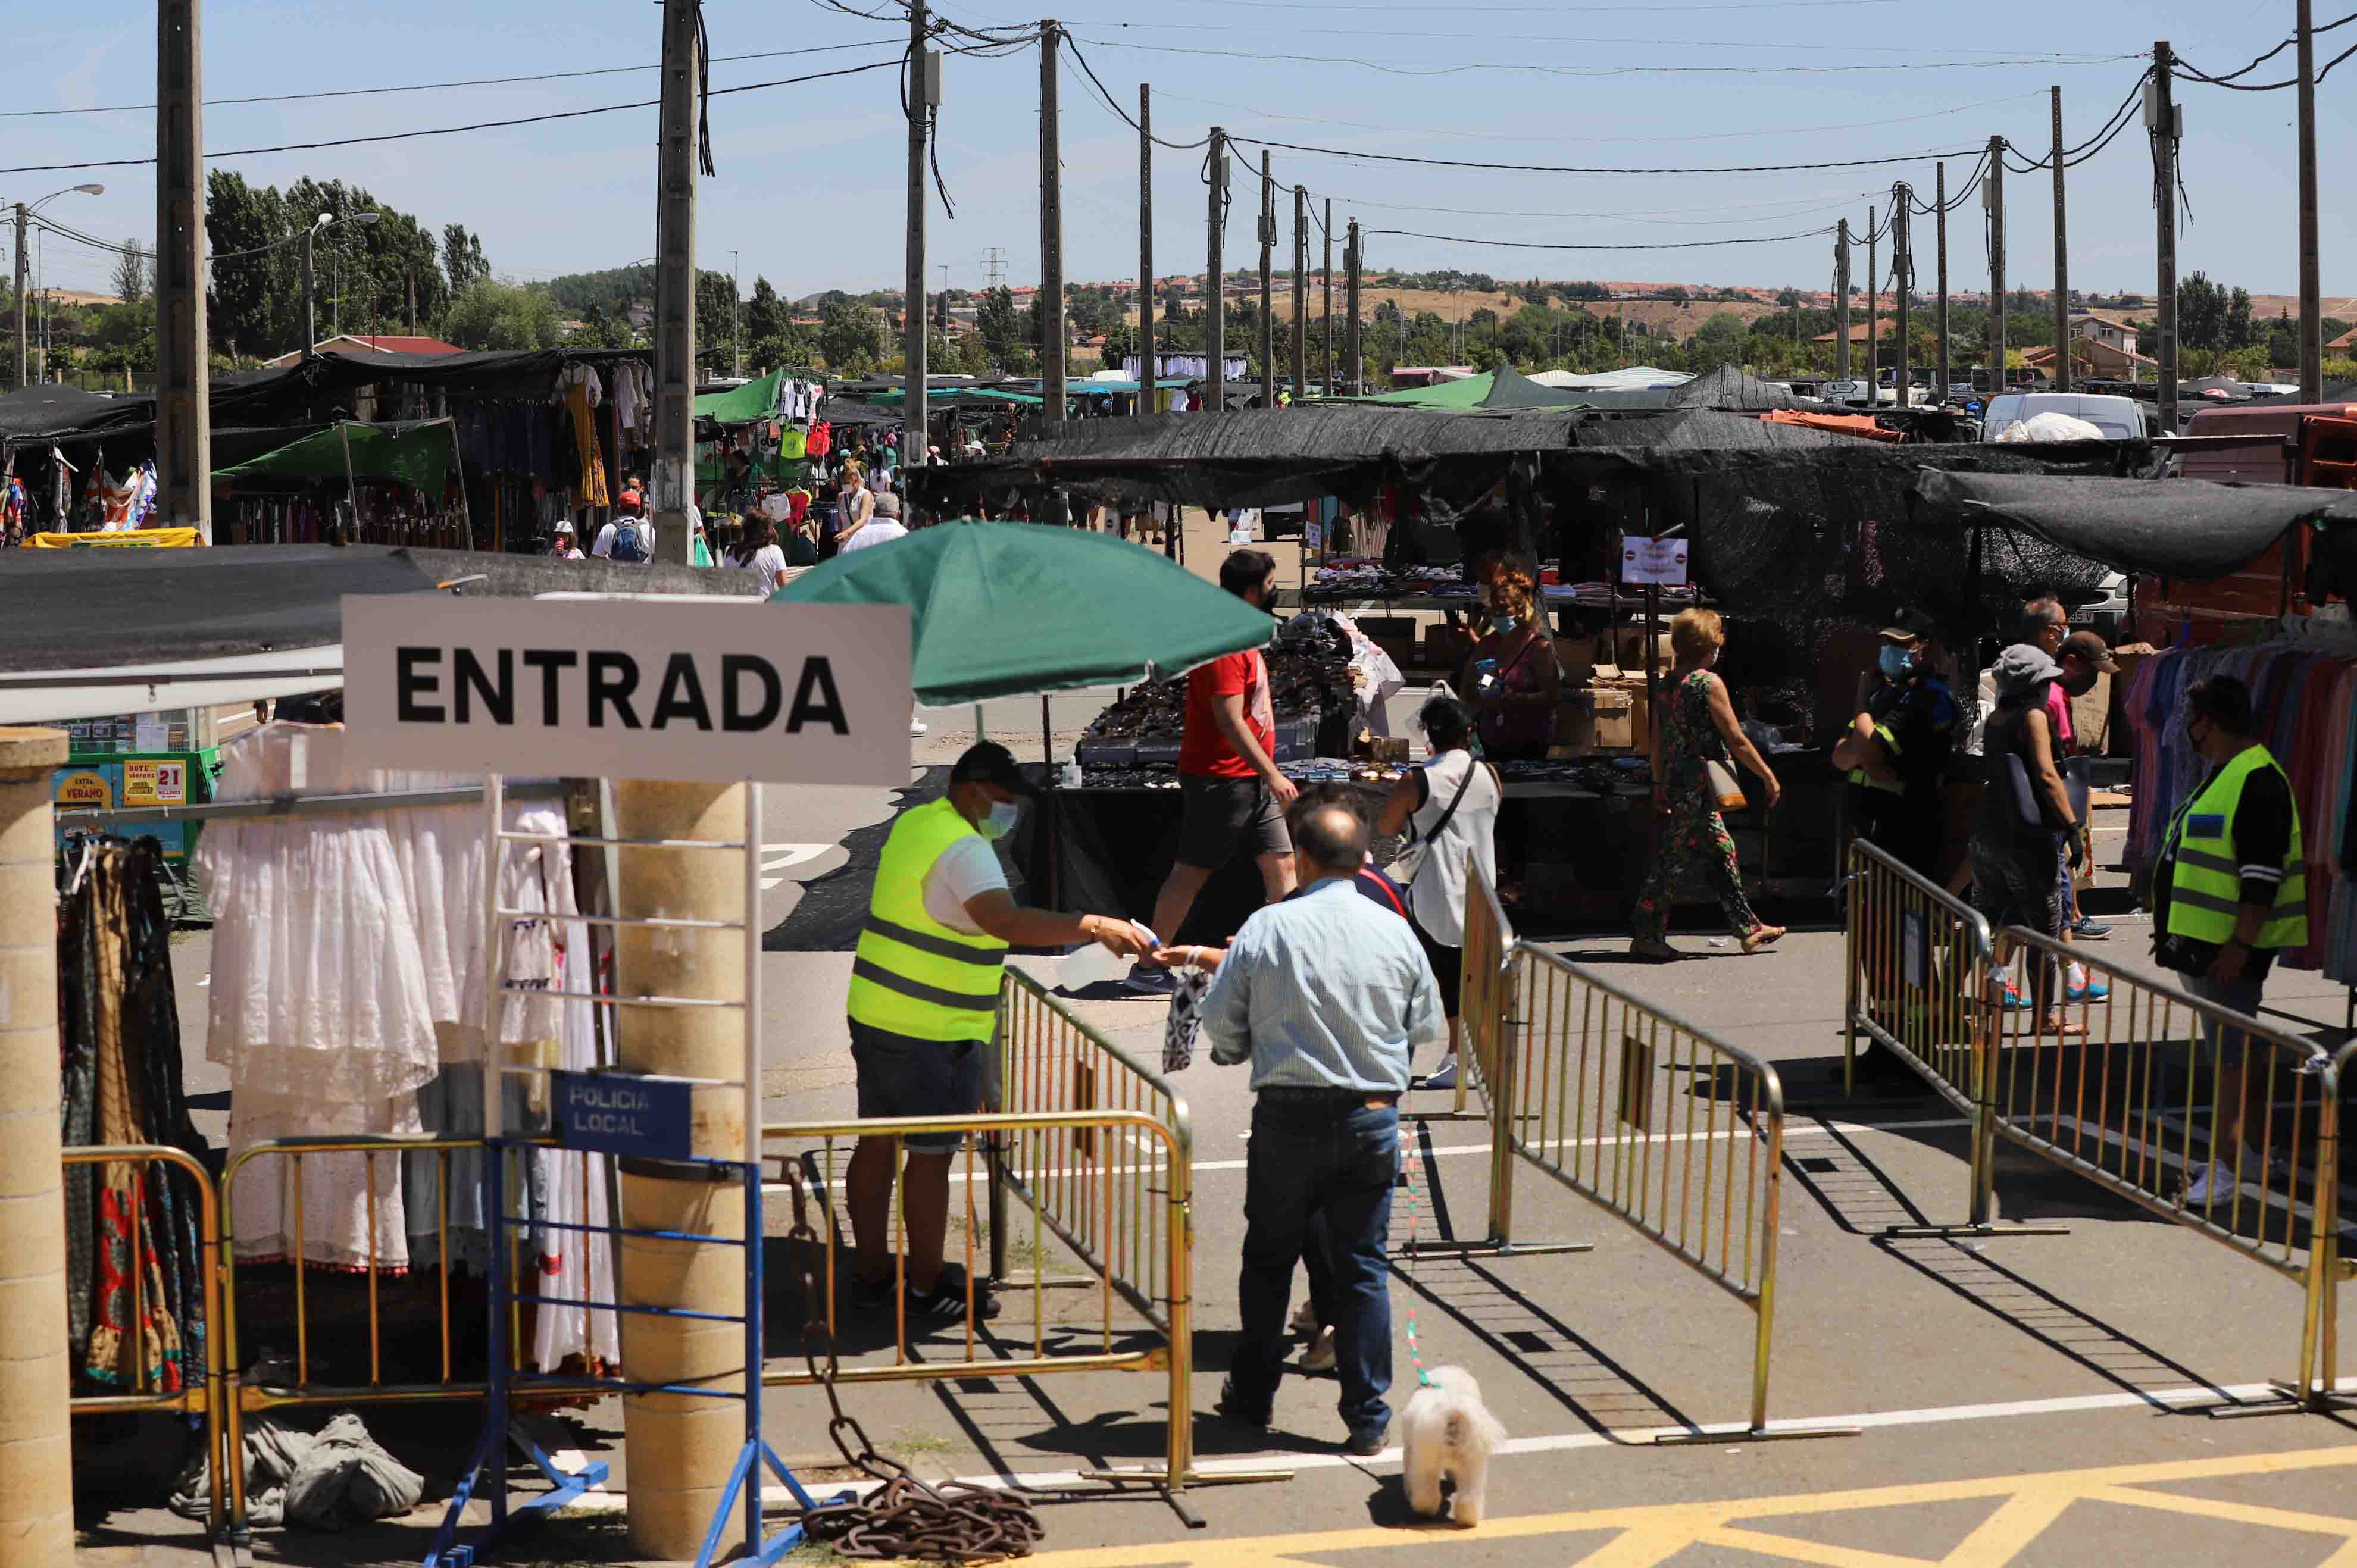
(811, 179)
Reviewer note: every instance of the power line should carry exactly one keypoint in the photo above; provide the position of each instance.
(1580, 169)
(2187, 71)
(1395, 69)
(423, 86)
(1811, 47)
(1546, 10)
(1550, 245)
(1125, 117)
(2322, 72)
(1802, 207)
(454, 130)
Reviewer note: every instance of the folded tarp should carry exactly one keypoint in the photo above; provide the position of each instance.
(2190, 528)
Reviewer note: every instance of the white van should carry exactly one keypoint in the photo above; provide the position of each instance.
(2119, 418)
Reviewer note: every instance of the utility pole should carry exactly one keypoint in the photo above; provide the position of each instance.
(184, 490)
(1992, 197)
(2061, 260)
(1902, 273)
(1215, 301)
(1268, 295)
(1326, 324)
(924, 93)
(2161, 118)
(2311, 303)
(1940, 222)
(1300, 290)
(20, 294)
(1147, 373)
(1052, 230)
(674, 334)
(1841, 305)
(1873, 313)
(1358, 345)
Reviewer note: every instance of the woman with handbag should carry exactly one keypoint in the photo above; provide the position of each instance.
(2025, 829)
(1694, 736)
(1449, 806)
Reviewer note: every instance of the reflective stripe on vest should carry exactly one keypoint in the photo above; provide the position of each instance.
(1859, 775)
(913, 975)
(2205, 885)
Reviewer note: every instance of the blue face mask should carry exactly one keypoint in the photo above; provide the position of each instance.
(1004, 815)
(1503, 625)
(1897, 661)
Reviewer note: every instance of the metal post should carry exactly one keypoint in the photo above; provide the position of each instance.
(1841, 303)
(1873, 311)
(1300, 290)
(1351, 259)
(675, 174)
(36, 1524)
(1215, 303)
(1268, 291)
(2161, 120)
(20, 294)
(914, 445)
(1902, 273)
(310, 292)
(1993, 196)
(1939, 204)
(2311, 305)
(1148, 374)
(1326, 308)
(1051, 232)
(184, 492)
(2061, 260)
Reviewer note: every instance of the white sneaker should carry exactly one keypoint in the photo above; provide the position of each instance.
(2213, 1181)
(916, 728)
(1444, 1075)
(1319, 1357)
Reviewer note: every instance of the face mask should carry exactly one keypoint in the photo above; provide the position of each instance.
(1004, 814)
(1503, 625)
(1897, 661)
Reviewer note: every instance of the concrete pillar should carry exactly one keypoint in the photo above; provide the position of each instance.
(35, 1444)
(680, 1447)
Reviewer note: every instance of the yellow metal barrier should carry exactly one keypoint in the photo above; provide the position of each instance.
(2322, 1391)
(1127, 1182)
(200, 1390)
(1591, 1097)
(2111, 1090)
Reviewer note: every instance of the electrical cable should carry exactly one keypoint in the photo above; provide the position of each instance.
(1551, 245)
(454, 130)
(1127, 118)
(1579, 168)
(2322, 72)
(1395, 69)
(2058, 57)
(1546, 10)
(2228, 79)
(1675, 217)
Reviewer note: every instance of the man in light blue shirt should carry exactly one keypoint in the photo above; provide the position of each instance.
(1324, 994)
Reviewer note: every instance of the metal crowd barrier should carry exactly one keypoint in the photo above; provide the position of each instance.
(200, 1394)
(2323, 1391)
(1121, 1177)
(1655, 1121)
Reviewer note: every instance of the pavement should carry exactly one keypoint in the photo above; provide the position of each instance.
(2026, 1399)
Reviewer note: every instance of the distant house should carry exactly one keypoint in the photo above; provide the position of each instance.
(382, 343)
(2346, 342)
(2112, 330)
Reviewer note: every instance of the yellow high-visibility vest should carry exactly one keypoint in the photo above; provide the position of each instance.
(2205, 886)
(913, 974)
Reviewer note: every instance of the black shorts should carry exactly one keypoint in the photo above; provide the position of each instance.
(1447, 968)
(1222, 812)
(901, 1076)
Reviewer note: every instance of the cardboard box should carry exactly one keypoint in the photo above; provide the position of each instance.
(1615, 719)
(1575, 727)
(1629, 648)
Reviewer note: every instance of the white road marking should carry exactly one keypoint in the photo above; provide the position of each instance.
(780, 856)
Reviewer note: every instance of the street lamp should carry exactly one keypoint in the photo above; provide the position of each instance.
(25, 211)
(735, 310)
(319, 224)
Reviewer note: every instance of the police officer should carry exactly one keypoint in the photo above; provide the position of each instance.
(924, 1007)
(2229, 895)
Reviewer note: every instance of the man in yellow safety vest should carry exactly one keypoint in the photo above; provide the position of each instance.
(2229, 895)
(924, 1009)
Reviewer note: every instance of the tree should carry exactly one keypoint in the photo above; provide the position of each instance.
(2202, 307)
(852, 336)
(135, 269)
(601, 331)
(1675, 292)
(1120, 341)
(2239, 333)
(717, 323)
(973, 355)
(462, 258)
(121, 337)
(489, 315)
(999, 327)
(255, 289)
(767, 315)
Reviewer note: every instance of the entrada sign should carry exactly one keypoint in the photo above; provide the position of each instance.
(644, 687)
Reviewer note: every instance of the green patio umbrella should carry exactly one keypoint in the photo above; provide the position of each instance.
(1004, 610)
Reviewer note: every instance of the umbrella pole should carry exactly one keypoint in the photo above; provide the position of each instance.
(1047, 741)
(978, 736)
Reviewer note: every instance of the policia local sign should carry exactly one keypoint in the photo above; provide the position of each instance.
(647, 688)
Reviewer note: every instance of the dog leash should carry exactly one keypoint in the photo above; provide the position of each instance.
(1414, 1218)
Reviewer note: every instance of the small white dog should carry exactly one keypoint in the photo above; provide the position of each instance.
(1448, 1431)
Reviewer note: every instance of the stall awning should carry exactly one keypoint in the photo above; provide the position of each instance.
(415, 452)
(741, 406)
(2192, 529)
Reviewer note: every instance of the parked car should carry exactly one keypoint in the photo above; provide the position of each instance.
(2119, 418)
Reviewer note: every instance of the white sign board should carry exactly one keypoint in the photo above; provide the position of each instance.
(1653, 560)
(628, 689)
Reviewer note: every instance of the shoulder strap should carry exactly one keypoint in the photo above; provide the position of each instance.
(1472, 762)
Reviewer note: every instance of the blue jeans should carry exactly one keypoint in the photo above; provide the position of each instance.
(1319, 1166)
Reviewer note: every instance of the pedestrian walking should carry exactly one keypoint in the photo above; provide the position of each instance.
(1324, 995)
(1693, 736)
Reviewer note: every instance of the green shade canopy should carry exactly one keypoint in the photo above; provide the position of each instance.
(1465, 392)
(1002, 609)
(741, 406)
(416, 452)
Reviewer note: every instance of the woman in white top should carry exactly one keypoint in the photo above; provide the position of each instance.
(1452, 803)
(766, 558)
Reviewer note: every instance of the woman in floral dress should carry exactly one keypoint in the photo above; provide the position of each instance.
(1697, 725)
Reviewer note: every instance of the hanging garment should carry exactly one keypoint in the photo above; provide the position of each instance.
(579, 393)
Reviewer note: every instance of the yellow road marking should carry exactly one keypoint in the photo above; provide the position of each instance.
(1650, 1534)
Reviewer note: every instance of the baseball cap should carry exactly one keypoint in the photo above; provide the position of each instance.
(2089, 646)
(628, 498)
(988, 762)
(1907, 625)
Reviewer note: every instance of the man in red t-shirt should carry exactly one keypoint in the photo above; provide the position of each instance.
(1229, 783)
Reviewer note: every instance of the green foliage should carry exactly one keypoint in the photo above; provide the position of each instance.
(134, 274)
(614, 290)
(999, 327)
(766, 315)
(121, 337)
(500, 315)
(462, 258)
(366, 273)
(716, 321)
(600, 330)
(851, 338)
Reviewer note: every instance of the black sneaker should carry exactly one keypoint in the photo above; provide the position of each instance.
(1231, 1409)
(1366, 1444)
(1149, 980)
(945, 1303)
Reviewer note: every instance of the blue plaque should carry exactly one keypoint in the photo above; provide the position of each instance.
(624, 1113)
